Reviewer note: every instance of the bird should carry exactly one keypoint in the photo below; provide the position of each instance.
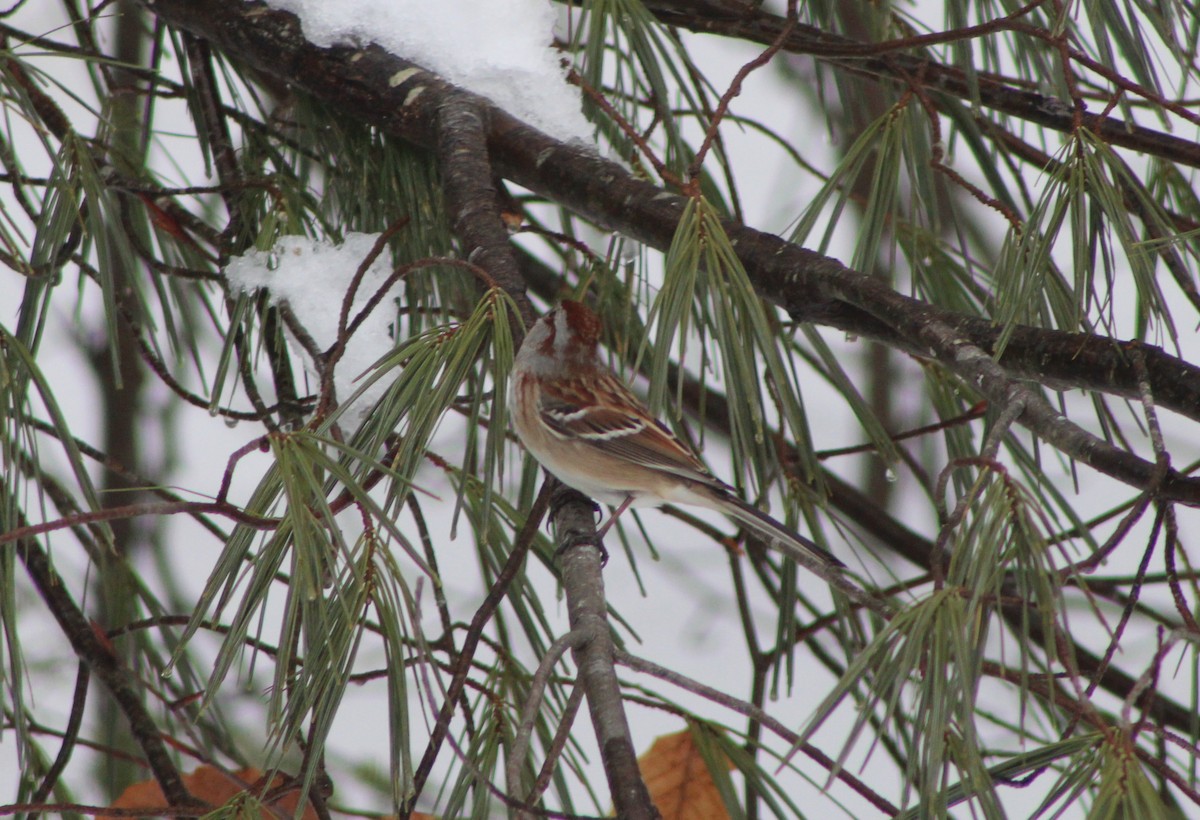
(587, 428)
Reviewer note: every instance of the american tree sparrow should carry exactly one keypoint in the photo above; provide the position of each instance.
(586, 427)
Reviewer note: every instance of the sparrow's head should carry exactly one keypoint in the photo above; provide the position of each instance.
(568, 334)
(578, 323)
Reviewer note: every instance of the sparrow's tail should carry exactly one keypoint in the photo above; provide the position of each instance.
(795, 546)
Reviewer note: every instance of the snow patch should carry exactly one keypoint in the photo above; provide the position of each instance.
(312, 276)
(500, 49)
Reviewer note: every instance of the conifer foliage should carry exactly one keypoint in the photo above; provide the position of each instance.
(919, 280)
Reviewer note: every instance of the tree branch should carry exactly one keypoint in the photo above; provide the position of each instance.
(472, 199)
(583, 583)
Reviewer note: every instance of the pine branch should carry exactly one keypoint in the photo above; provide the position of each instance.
(382, 89)
(887, 61)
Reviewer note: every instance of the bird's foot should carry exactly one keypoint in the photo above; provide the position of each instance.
(579, 538)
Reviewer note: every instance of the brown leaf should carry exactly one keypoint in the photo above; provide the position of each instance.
(678, 780)
(213, 787)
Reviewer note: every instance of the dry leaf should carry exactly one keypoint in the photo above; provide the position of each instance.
(210, 785)
(678, 780)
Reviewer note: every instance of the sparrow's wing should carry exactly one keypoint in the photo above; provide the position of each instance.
(602, 412)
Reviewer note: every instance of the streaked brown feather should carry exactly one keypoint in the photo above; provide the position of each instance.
(618, 425)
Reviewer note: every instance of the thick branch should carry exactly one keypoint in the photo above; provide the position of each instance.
(472, 198)
(583, 584)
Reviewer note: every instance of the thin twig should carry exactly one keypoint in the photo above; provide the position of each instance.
(462, 664)
(70, 735)
(555, 750)
(515, 758)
